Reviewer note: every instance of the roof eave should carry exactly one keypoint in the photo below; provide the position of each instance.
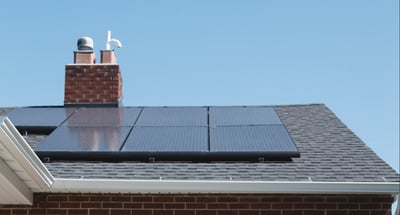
(21, 171)
(12, 189)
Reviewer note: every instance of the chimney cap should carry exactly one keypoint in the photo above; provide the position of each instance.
(85, 44)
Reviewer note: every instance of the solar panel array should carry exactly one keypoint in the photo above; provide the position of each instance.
(159, 133)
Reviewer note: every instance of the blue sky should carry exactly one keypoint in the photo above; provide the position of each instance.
(344, 54)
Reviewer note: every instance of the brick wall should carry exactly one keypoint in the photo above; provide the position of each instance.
(202, 204)
(92, 84)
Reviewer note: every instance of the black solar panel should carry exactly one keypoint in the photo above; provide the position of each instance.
(266, 138)
(161, 133)
(226, 116)
(167, 139)
(84, 139)
(173, 116)
(39, 116)
(39, 120)
(103, 117)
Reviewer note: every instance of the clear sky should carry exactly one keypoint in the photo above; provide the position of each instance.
(342, 53)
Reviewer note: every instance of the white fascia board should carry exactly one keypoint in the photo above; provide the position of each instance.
(187, 186)
(17, 153)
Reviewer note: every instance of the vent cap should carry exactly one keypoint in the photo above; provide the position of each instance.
(85, 44)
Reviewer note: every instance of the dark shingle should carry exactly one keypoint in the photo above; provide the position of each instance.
(4, 111)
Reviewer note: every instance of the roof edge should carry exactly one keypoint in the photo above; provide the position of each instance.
(21, 159)
(195, 186)
(18, 157)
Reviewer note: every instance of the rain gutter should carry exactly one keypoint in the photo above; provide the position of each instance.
(209, 186)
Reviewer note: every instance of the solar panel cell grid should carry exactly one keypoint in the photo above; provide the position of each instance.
(173, 116)
(177, 139)
(251, 138)
(231, 116)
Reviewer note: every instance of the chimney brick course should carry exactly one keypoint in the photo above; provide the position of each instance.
(87, 83)
(92, 84)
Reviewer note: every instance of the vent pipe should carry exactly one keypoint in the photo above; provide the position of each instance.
(112, 41)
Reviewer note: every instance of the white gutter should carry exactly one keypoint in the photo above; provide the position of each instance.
(17, 153)
(21, 171)
(192, 186)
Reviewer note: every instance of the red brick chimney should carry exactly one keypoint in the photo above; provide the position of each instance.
(90, 84)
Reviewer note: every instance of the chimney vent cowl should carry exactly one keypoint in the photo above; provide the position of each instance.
(85, 44)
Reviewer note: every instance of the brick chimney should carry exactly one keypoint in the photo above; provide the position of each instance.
(90, 84)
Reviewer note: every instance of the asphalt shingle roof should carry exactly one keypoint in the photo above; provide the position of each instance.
(329, 152)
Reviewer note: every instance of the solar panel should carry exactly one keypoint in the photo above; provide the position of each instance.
(164, 139)
(84, 139)
(226, 116)
(173, 116)
(161, 133)
(103, 117)
(269, 138)
(39, 116)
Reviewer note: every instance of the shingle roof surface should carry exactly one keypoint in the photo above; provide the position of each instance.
(329, 152)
